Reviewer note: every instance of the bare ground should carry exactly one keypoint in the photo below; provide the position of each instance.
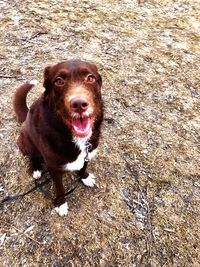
(144, 210)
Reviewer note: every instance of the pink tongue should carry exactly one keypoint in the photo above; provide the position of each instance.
(81, 124)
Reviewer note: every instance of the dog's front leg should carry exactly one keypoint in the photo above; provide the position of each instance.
(61, 205)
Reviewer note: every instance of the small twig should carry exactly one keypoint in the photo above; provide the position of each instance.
(129, 205)
(12, 226)
(26, 235)
(175, 27)
(196, 139)
(7, 76)
(37, 34)
(169, 230)
(138, 203)
(150, 228)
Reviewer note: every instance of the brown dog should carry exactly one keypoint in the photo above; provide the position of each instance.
(57, 126)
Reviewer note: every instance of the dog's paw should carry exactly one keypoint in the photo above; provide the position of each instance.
(62, 209)
(89, 181)
(34, 82)
(37, 174)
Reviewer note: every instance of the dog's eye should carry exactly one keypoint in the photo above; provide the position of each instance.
(59, 82)
(90, 78)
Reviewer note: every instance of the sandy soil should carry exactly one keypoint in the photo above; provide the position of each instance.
(144, 210)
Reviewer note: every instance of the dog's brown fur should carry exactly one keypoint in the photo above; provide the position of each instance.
(72, 92)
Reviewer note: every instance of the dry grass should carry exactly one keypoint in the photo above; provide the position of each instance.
(144, 211)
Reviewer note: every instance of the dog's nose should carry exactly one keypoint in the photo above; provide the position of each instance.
(79, 104)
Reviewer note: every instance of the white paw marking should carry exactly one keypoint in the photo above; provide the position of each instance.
(37, 174)
(34, 82)
(89, 181)
(1, 189)
(62, 209)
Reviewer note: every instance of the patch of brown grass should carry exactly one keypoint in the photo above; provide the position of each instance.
(144, 211)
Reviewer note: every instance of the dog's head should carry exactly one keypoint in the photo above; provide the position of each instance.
(73, 91)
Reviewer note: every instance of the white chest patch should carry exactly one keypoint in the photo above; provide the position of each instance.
(79, 162)
(92, 154)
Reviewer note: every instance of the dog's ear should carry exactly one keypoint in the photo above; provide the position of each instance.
(95, 69)
(99, 80)
(46, 82)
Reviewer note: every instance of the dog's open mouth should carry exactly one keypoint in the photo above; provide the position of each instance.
(81, 126)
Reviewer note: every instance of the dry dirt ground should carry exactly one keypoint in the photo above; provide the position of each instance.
(144, 210)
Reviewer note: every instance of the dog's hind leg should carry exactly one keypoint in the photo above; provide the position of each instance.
(36, 166)
(30, 150)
